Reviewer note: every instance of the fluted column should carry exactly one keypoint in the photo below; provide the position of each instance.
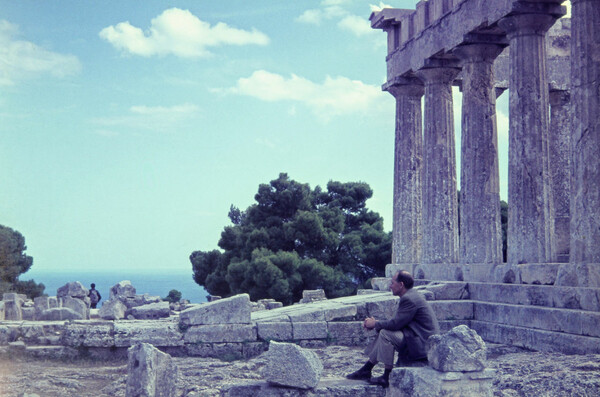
(480, 226)
(406, 234)
(440, 203)
(585, 143)
(560, 170)
(530, 223)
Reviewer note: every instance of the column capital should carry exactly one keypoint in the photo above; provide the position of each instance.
(441, 75)
(527, 24)
(408, 88)
(478, 52)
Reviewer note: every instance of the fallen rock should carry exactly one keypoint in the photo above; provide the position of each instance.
(112, 310)
(122, 290)
(233, 310)
(460, 349)
(150, 372)
(72, 289)
(150, 311)
(77, 305)
(60, 314)
(381, 283)
(292, 366)
(140, 300)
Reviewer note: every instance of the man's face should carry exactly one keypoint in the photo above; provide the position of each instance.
(396, 286)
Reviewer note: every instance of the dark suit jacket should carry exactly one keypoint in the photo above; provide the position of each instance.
(416, 319)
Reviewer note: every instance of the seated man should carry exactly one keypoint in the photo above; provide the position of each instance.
(407, 332)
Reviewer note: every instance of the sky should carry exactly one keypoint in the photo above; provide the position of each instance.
(128, 128)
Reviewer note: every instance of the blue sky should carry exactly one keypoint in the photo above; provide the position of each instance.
(128, 128)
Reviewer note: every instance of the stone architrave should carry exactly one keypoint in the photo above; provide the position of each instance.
(233, 310)
(480, 227)
(292, 366)
(440, 200)
(150, 372)
(408, 170)
(560, 170)
(530, 219)
(585, 141)
(122, 290)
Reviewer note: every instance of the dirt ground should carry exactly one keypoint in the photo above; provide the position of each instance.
(519, 374)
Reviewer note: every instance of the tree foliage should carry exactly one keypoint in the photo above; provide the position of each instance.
(14, 262)
(295, 238)
(174, 296)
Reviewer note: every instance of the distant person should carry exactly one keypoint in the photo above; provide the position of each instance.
(94, 296)
(406, 332)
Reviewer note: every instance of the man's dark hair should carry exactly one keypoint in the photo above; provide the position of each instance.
(93, 285)
(405, 278)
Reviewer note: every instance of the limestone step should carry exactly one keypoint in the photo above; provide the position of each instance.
(536, 339)
(327, 387)
(453, 309)
(576, 322)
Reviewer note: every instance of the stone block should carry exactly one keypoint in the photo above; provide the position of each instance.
(13, 310)
(88, 334)
(280, 331)
(60, 314)
(13, 296)
(292, 366)
(349, 333)
(383, 307)
(113, 309)
(140, 300)
(42, 303)
(448, 291)
(28, 313)
(220, 333)
(579, 275)
(381, 283)
(233, 310)
(309, 330)
(77, 305)
(122, 290)
(72, 289)
(253, 349)
(427, 382)
(2, 311)
(309, 296)
(155, 332)
(222, 351)
(453, 310)
(538, 273)
(334, 311)
(32, 333)
(306, 313)
(459, 350)
(150, 372)
(150, 311)
(4, 335)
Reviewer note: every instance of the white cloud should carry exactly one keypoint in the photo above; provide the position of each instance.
(357, 25)
(180, 33)
(21, 59)
(317, 15)
(334, 97)
(154, 118)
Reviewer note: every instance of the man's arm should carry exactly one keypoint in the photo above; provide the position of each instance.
(404, 315)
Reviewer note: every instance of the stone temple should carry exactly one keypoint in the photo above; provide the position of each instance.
(551, 68)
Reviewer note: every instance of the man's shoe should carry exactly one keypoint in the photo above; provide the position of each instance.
(380, 381)
(360, 374)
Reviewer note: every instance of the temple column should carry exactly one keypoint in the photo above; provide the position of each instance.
(530, 219)
(406, 234)
(480, 226)
(585, 141)
(440, 202)
(560, 170)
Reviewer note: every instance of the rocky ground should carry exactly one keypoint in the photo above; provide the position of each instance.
(519, 374)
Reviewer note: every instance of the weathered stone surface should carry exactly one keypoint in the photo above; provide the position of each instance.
(309, 296)
(222, 351)
(220, 333)
(42, 303)
(279, 331)
(77, 305)
(349, 333)
(112, 309)
(381, 283)
(13, 296)
(460, 349)
(2, 311)
(579, 275)
(290, 365)
(150, 311)
(155, 332)
(59, 314)
(150, 372)
(538, 273)
(427, 382)
(89, 334)
(447, 291)
(453, 310)
(140, 300)
(13, 310)
(28, 313)
(382, 308)
(122, 290)
(233, 310)
(73, 289)
(309, 330)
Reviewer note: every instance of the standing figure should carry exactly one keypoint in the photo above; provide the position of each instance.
(94, 296)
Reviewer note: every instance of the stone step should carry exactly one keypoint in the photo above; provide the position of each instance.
(327, 387)
(536, 339)
(576, 322)
(453, 309)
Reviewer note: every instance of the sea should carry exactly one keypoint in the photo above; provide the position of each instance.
(154, 283)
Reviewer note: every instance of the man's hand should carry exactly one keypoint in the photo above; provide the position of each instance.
(369, 323)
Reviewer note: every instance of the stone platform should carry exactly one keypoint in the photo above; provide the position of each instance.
(327, 387)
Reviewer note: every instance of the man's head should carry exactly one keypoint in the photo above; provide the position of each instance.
(402, 282)
(93, 285)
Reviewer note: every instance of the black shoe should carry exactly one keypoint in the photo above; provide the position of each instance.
(380, 381)
(361, 374)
